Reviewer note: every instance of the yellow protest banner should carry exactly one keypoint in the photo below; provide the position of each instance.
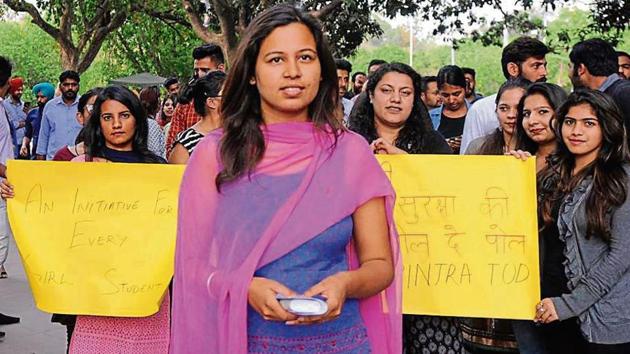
(95, 238)
(468, 234)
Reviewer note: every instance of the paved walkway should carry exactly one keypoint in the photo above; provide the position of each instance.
(35, 334)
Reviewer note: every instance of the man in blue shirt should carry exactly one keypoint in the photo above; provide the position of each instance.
(44, 92)
(59, 126)
(14, 108)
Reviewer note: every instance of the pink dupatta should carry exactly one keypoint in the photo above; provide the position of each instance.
(216, 258)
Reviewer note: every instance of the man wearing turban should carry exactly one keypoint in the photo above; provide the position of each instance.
(44, 91)
(15, 110)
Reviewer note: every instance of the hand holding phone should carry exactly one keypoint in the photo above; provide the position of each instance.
(303, 305)
(262, 298)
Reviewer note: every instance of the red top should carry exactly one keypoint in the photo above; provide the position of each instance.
(184, 117)
(64, 154)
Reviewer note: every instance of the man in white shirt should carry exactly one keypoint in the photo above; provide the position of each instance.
(7, 135)
(344, 68)
(525, 58)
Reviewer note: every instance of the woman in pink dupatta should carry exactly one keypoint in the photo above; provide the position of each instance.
(284, 201)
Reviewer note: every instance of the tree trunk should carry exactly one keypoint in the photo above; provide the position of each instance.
(73, 57)
(231, 50)
(69, 58)
(227, 39)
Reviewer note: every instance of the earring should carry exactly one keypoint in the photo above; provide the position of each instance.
(252, 81)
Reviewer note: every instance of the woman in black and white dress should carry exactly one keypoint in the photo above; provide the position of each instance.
(207, 101)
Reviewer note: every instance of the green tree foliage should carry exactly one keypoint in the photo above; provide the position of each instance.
(35, 57)
(79, 27)
(597, 23)
(34, 54)
(428, 57)
(164, 50)
(346, 22)
(455, 16)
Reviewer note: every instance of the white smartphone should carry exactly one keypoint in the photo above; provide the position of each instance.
(303, 305)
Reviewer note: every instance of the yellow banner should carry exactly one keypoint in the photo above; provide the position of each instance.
(95, 238)
(468, 234)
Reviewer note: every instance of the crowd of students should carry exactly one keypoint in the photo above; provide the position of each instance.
(282, 195)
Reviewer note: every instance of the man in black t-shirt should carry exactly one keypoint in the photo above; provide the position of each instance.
(594, 65)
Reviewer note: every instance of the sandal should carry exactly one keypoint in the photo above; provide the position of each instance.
(3, 273)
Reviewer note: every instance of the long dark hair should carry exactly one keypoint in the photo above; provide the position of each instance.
(609, 188)
(547, 179)
(206, 87)
(494, 143)
(94, 139)
(150, 100)
(411, 135)
(242, 145)
(173, 99)
(555, 96)
(452, 75)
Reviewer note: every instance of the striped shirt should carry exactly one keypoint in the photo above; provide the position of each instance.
(189, 139)
(184, 117)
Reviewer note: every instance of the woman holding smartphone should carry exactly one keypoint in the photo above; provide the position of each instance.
(256, 221)
(450, 117)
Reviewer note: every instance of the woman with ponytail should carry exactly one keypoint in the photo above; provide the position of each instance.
(206, 94)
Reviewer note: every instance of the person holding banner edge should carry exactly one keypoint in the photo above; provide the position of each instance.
(503, 139)
(281, 154)
(394, 120)
(591, 166)
(535, 135)
(392, 117)
(117, 132)
(489, 335)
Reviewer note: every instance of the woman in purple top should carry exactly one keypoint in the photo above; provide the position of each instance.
(284, 201)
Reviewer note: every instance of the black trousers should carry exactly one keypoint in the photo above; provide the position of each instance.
(623, 348)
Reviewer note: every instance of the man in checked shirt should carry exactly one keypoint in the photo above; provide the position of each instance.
(207, 58)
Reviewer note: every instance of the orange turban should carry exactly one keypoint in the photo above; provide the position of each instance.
(15, 83)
